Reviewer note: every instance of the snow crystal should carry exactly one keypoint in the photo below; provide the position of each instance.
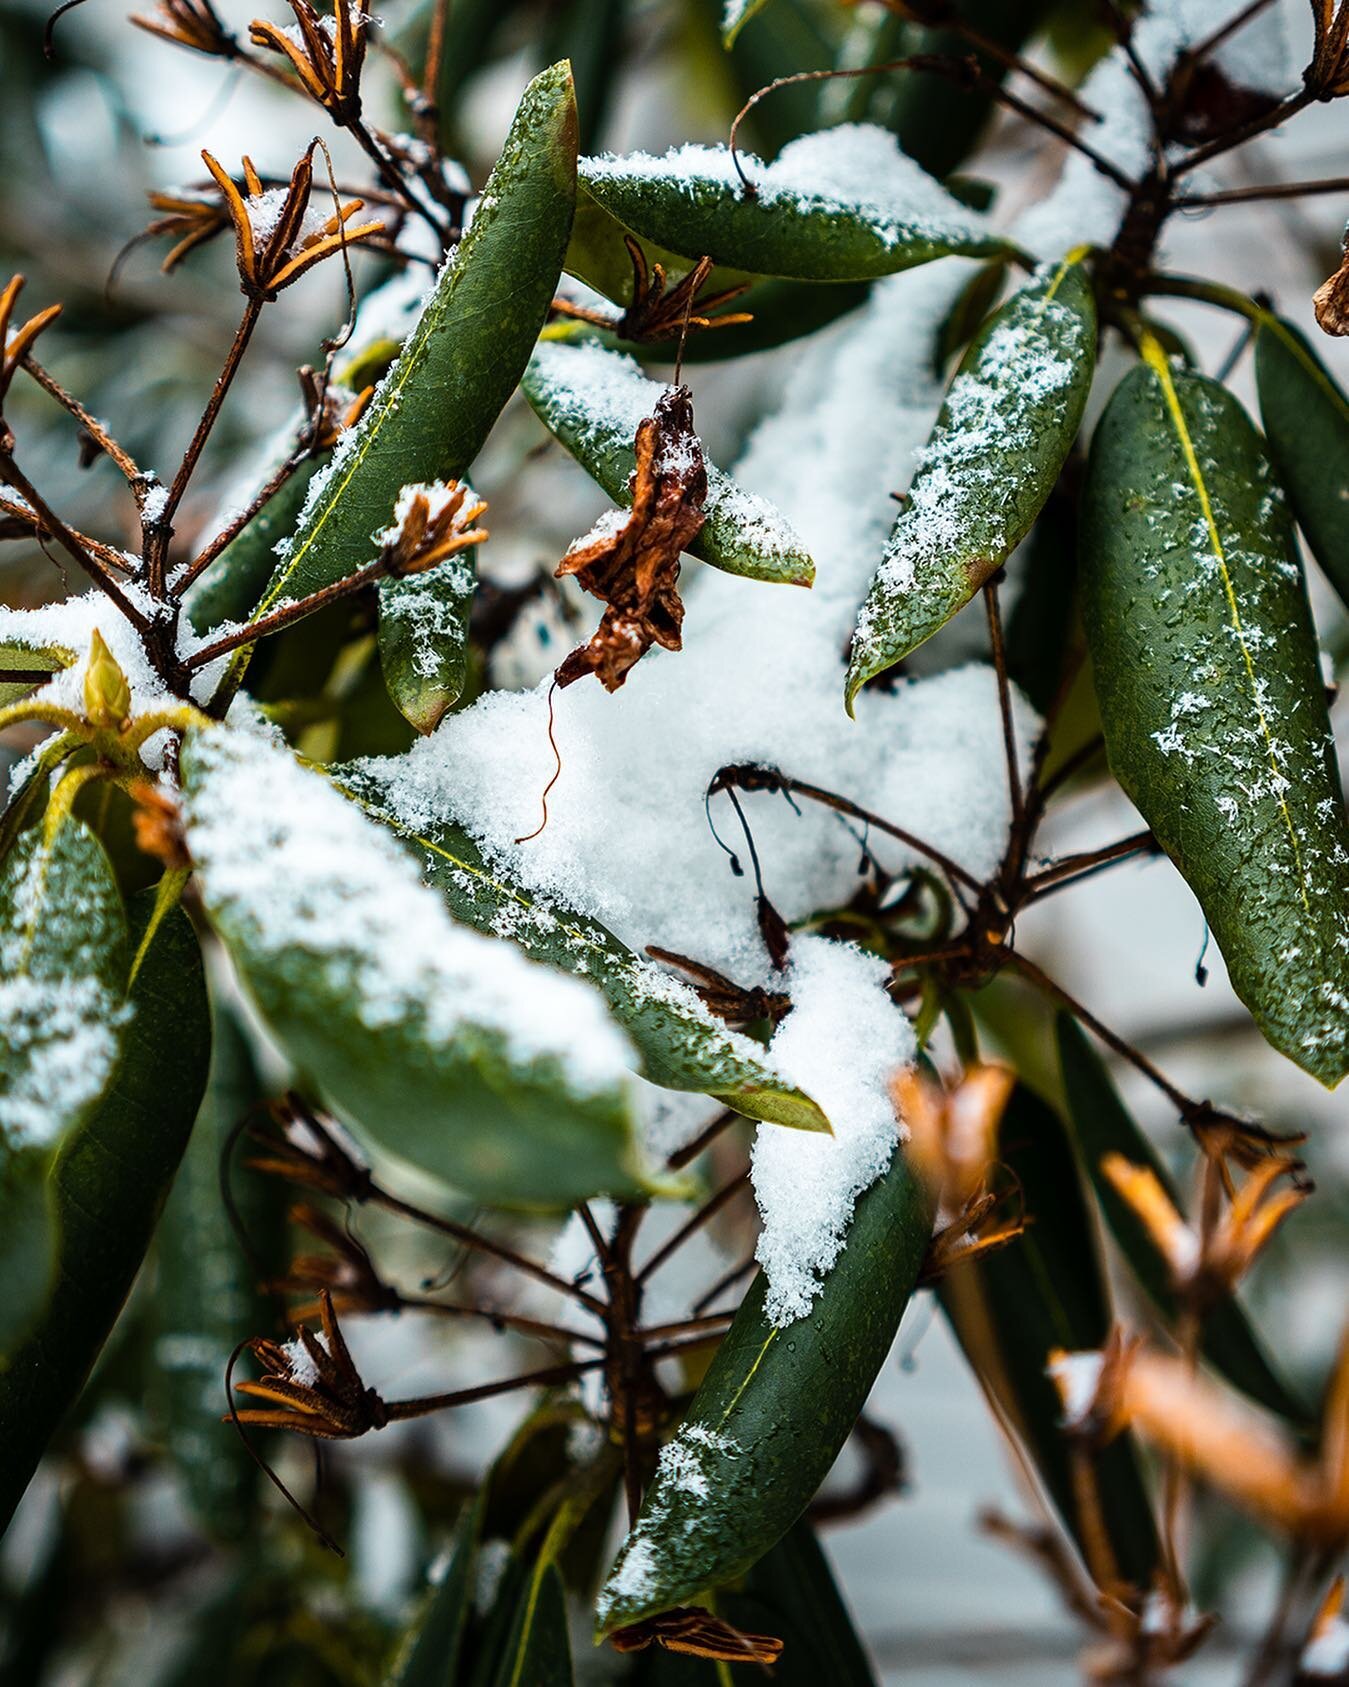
(843, 1043)
(303, 1370)
(297, 866)
(683, 1459)
(1078, 1376)
(854, 169)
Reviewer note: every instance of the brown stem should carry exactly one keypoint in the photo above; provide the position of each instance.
(1065, 770)
(1211, 43)
(234, 527)
(90, 423)
(392, 176)
(423, 1405)
(52, 524)
(709, 1209)
(1266, 190)
(499, 1320)
(684, 1327)
(705, 1138)
(727, 1280)
(289, 613)
(1245, 131)
(486, 1245)
(158, 532)
(999, 649)
(1074, 867)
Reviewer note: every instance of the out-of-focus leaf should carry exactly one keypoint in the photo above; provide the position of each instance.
(28, 1244)
(423, 639)
(1105, 1126)
(593, 400)
(231, 586)
(538, 1651)
(109, 1182)
(1306, 418)
(442, 1047)
(965, 317)
(429, 1653)
(694, 203)
(63, 965)
(735, 15)
(41, 663)
(793, 39)
(1008, 422)
(590, 34)
(683, 1046)
(432, 412)
(207, 1295)
(1043, 1291)
(1211, 695)
(768, 1421)
(1041, 628)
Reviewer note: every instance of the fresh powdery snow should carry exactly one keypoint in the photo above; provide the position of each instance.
(843, 1042)
(854, 169)
(760, 680)
(296, 866)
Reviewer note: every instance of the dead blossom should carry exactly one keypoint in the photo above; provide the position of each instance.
(14, 347)
(659, 311)
(274, 244)
(191, 23)
(189, 219)
(346, 1273)
(312, 1386)
(1331, 300)
(327, 56)
(633, 564)
(1327, 76)
(433, 523)
(696, 1633)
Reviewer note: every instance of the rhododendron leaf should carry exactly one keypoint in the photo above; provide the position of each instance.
(1211, 695)
(1008, 422)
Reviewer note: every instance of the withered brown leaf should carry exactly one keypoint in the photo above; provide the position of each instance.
(633, 564)
(696, 1633)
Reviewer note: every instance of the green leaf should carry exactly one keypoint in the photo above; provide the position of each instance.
(39, 661)
(423, 639)
(1008, 422)
(28, 1244)
(593, 400)
(538, 1652)
(207, 1294)
(63, 964)
(589, 33)
(1306, 418)
(109, 1182)
(889, 217)
(232, 585)
(432, 412)
(1211, 695)
(1105, 1126)
(683, 1046)
(1047, 1290)
(736, 15)
(776, 1406)
(429, 1653)
(444, 1048)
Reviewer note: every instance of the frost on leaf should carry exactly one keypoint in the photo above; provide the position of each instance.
(633, 564)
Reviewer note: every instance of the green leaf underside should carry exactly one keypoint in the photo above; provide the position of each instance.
(1007, 424)
(208, 1297)
(417, 1049)
(109, 1182)
(230, 588)
(682, 1045)
(429, 1654)
(771, 1415)
(423, 639)
(63, 966)
(1306, 417)
(1104, 1125)
(693, 203)
(1211, 695)
(1047, 1290)
(432, 412)
(25, 659)
(593, 401)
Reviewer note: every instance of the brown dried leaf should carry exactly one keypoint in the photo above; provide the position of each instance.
(633, 565)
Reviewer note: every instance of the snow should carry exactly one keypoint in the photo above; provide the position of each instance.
(292, 865)
(854, 170)
(303, 1370)
(843, 1042)
(1326, 1656)
(1077, 1376)
(1085, 207)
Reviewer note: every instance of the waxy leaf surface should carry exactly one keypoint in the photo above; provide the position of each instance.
(768, 1421)
(1211, 695)
(1007, 424)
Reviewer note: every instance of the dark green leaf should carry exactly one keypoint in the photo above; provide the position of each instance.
(109, 1181)
(429, 1654)
(63, 962)
(1306, 418)
(1105, 1126)
(1211, 695)
(423, 639)
(28, 1244)
(966, 316)
(775, 1407)
(782, 311)
(1043, 1291)
(683, 1046)
(207, 1295)
(230, 588)
(795, 38)
(432, 412)
(538, 1652)
(590, 34)
(695, 204)
(444, 1048)
(1009, 420)
(593, 400)
(1042, 626)
(736, 15)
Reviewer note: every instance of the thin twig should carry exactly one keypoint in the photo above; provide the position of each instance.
(709, 1209)
(235, 526)
(1265, 190)
(999, 650)
(1074, 867)
(89, 422)
(501, 1320)
(400, 1410)
(287, 614)
(704, 1139)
